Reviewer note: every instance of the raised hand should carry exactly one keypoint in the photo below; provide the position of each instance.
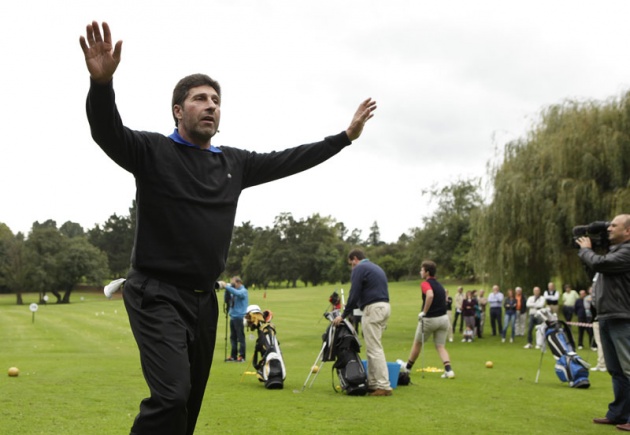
(101, 58)
(363, 113)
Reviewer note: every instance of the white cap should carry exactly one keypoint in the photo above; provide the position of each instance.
(253, 309)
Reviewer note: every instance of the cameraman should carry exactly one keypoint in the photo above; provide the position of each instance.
(611, 293)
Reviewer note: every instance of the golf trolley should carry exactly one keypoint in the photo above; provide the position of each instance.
(340, 345)
(569, 367)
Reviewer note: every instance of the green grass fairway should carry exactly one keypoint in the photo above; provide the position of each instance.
(80, 374)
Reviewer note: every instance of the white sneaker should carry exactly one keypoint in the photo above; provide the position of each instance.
(528, 346)
(448, 375)
(113, 287)
(464, 340)
(580, 348)
(511, 340)
(503, 340)
(450, 340)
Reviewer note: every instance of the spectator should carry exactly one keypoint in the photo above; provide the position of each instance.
(569, 297)
(495, 300)
(534, 303)
(552, 297)
(509, 303)
(521, 311)
(459, 298)
(583, 320)
(469, 306)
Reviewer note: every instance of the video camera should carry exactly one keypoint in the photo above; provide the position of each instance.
(597, 231)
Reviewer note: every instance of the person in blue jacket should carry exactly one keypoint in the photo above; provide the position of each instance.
(238, 309)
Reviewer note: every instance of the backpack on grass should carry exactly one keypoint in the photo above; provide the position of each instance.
(342, 346)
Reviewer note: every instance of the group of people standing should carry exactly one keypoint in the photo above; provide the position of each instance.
(514, 313)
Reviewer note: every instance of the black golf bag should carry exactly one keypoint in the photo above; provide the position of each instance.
(267, 359)
(569, 366)
(341, 345)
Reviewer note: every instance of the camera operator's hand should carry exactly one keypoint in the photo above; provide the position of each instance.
(584, 242)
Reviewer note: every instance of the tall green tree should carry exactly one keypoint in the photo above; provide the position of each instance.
(572, 168)
(241, 245)
(79, 261)
(115, 238)
(42, 247)
(445, 235)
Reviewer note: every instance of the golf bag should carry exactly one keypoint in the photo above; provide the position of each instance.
(267, 359)
(569, 366)
(341, 345)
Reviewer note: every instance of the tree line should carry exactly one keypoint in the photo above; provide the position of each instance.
(570, 169)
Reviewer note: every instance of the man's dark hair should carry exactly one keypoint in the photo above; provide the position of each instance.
(429, 267)
(358, 253)
(180, 93)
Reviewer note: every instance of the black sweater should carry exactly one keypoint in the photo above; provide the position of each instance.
(186, 197)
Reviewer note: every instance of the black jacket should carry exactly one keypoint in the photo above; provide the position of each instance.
(611, 290)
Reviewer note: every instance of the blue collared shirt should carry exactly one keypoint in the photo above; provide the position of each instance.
(177, 138)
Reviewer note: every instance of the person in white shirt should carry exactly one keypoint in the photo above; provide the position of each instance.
(534, 303)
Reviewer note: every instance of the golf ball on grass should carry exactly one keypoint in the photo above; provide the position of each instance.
(14, 371)
(489, 364)
(314, 369)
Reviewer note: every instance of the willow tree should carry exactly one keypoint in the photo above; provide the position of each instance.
(572, 168)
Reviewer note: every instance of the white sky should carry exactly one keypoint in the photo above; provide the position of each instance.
(454, 81)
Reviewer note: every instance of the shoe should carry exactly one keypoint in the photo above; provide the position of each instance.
(625, 426)
(379, 392)
(450, 340)
(537, 347)
(240, 359)
(503, 340)
(594, 349)
(604, 421)
(528, 346)
(464, 340)
(230, 359)
(580, 348)
(448, 375)
(511, 340)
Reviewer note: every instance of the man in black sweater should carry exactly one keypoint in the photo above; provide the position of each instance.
(187, 192)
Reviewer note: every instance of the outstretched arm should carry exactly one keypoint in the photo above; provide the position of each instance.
(364, 112)
(101, 58)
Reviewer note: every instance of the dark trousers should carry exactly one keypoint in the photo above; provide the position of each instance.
(582, 330)
(458, 315)
(615, 339)
(495, 320)
(175, 330)
(237, 337)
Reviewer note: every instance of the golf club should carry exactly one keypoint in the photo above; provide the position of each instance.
(542, 354)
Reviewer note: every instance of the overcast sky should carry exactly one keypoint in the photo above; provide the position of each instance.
(454, 81)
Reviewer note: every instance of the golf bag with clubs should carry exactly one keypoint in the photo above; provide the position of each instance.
(570, 367)
(267, 359)
(341, 345)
